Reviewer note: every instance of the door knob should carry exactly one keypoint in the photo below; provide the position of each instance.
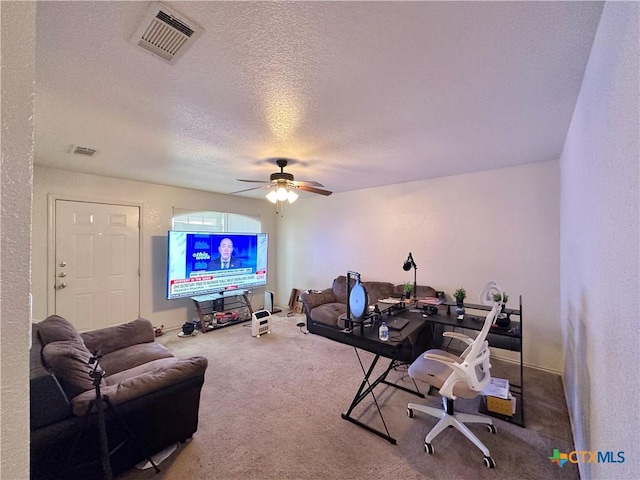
(62, 285)
(63, 264)
(62, 274)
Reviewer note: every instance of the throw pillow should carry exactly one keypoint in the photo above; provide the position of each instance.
(68, 360)
(114, 338)
(56, 329)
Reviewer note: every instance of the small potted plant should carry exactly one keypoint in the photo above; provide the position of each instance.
(460, 294)
(503, 320)
(406, 290)
(497, 297)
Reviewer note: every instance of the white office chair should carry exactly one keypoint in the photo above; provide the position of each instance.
(464, 376)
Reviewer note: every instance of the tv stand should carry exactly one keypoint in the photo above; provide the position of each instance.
(208, 305)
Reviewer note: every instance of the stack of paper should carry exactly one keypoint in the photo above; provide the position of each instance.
(390, 300)
(498, 387)
(431, 301)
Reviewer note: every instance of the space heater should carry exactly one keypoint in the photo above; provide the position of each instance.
(260, 323)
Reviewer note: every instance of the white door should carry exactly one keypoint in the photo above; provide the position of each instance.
(97, 252)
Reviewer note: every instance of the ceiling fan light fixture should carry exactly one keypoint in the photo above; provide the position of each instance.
(283, 188)
(272, 196)
(282, 193)
(292, 196)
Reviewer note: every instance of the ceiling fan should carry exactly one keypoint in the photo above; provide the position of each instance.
(284, 185)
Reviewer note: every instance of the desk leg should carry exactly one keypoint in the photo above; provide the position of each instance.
(363, 392)
(392, 365)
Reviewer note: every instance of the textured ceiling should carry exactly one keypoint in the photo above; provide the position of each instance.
(361, 94)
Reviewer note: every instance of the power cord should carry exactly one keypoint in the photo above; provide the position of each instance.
(300, 325)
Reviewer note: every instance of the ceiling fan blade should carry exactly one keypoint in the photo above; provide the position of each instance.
(311, 183)
(314, 190)
(249, 189)
(253, 181)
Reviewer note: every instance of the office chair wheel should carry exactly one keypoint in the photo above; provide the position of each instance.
(491, 429)
(489, 462)
(410, 412)
(429, 448)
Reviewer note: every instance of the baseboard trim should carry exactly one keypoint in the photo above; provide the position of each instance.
(514, 361)
(530, 365)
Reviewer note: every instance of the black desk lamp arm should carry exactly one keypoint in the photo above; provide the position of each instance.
(408, 264)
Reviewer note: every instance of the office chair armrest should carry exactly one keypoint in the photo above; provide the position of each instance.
(440, 358)
(459, 336)
(457, 367)
(458, 375)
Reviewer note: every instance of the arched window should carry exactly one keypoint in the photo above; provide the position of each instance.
(205, 221)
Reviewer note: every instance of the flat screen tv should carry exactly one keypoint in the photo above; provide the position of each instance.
(202, 263)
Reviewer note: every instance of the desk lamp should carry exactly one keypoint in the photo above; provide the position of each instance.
(408, 263)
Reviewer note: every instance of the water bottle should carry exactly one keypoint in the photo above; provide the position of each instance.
(383, 332)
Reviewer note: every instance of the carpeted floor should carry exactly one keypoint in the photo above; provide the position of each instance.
(270, 409)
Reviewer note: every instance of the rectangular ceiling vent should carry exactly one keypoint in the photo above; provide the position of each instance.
(165, 33)
(85, 151)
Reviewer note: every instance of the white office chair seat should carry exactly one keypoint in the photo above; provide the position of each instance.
(435, 373)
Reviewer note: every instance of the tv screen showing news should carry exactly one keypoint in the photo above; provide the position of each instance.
(201, 263)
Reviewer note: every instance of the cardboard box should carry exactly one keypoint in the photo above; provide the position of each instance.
(295, 304)
(500, 405)
(294, 297)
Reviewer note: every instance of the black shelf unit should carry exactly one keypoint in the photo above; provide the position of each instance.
(505, 339)
(208, 305)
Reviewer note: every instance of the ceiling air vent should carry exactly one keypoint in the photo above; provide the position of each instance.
(165, 33)
(86, 151)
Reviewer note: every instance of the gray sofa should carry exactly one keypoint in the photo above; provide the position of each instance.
(156, 394)
(326, 312)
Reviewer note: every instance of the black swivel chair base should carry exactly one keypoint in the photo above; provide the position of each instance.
(457, 420)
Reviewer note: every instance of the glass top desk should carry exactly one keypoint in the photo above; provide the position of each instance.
(396, 349)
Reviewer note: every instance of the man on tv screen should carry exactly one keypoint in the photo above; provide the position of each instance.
(226, 260)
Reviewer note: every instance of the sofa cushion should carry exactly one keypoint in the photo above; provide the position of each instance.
(130, 357)
(56, 329)
(422, 291)
(68, 360)
(378, 290)
(167, 372)
(375, 290)
(151, 366)
(340, 288)
(328, 313)
(311, 299)
(114, 338)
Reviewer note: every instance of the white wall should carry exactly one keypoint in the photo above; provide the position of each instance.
(599, 248)
(463, 231)
(157, 210)
(18, 73)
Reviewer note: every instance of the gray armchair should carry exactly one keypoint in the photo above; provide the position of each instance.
(156, 394)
